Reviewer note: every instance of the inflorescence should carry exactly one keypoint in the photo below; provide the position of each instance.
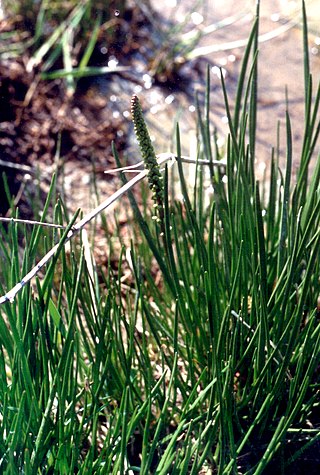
(155, 178)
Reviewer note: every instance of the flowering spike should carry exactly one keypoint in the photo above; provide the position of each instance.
(155, 178)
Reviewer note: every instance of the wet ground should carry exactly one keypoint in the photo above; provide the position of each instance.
(100, 113)
(280, 67)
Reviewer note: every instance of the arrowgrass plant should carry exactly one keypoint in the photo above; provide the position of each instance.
(214, 368)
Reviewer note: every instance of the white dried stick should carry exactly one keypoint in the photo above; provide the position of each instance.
(9, 296)
(162, 159)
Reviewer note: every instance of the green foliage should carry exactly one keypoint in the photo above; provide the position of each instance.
(216, 365)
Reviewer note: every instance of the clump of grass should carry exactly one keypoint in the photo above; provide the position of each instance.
(214, 368)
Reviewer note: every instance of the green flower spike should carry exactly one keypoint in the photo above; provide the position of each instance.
(155, 178)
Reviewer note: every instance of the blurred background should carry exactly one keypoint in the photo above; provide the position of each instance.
(68, 70)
